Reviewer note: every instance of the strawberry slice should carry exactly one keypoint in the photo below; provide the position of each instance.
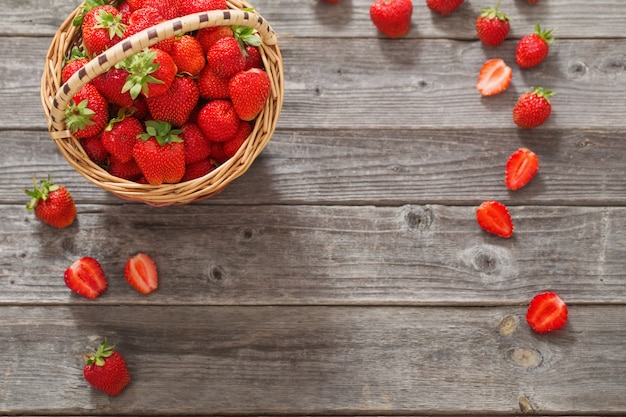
(546, 312)
(494, 77)
(86, 277)
(141, 273)
(520, 168)
(494, 217)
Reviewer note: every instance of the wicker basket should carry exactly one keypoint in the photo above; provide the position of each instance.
(55, 98)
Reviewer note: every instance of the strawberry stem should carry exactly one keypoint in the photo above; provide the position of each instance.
(161, 131)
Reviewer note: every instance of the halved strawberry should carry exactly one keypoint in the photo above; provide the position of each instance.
(546, 312)
(141, 273)
(521, 167)
(494, 77)
(86, 277)
(493, 217)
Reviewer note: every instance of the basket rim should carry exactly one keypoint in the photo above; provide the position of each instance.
(166, 194)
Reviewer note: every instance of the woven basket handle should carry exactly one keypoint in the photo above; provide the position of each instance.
(148, 37)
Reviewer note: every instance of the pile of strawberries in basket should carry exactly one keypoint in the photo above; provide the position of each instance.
(172, 112)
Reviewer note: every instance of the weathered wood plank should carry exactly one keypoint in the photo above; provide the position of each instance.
(413, 255)
(313, 18)
(358, 83)
(388, 167)
(315, 360)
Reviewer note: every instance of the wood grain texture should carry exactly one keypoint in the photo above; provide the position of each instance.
(413, 255)
(381, 167)
(314, 360)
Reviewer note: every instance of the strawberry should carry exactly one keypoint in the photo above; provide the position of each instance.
(232, 146)
(120, 136)
(532, 108)
(198, 169)
(392, 17)
(87, 113)
(144, 18)
(443, 7)
(53, 204)
(101, 29)
(140, 272)
(94, 149)
(85, 277)
(218, 120)
(253, 57)
(493, 217)
(167, 8)
(106, 370)
(160, 153)
(197, 146)
(492, 26)
(209, 35)
(212, 86)
(217, 153)
(186, 7)
(188, 55)
(520, 168)
(175, 105)
(249, 91)
(532, 49)
(152, 72)
(110, 85)
(126, 170)
(125, 11)
(77, 60)
(533, 1)
(225, 57)
(546, 312)
(494, 77)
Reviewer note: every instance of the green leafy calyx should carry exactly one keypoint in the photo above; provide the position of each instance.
(139, 67)
(78, 116)
(161, 131)
(40, 192)
(546, 35)
(104, 351)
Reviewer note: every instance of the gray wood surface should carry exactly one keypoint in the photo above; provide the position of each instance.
(344, 273)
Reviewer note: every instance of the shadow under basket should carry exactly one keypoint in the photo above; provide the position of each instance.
(55, 97)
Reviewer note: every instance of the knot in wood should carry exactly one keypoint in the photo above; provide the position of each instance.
(525, 357)
(420, 219)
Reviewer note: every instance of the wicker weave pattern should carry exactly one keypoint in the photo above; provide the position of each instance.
(55, 98)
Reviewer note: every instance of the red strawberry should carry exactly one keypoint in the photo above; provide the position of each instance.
(493, 217)
(167, 8)
(392, 17)
(77, 60)
(125, 11)
(53, 204)
(218, 120)
(443, 7)
(152, 72)
(175, 105)
(209, 35)
(197, 146)
(198, 169)
(85, 277)
(140, 272)
(160, 153)
(126, 170)
(144, 18)
(106, 370)
(533, 1)
(533, 49)
(546, 312)
(232, 146)
(188, 55)
(249, 91)
(211, 85)
(494, 77)
(253, 57)
(225, 57)
(87, 113)
(101, 29)
(120, 136)
(186, 7)
(532, 108)
(521, 167)
(94, 149)
(492, 26)
(110, 85)
(218, 154)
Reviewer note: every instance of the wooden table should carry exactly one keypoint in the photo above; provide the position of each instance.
(344, 273)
